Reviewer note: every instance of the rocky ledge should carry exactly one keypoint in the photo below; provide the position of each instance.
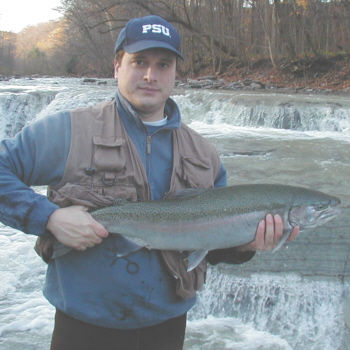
(213, 82)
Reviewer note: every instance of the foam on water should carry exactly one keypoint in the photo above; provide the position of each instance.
(229, 333)
(305, 313)
(22, 305)
(225, 129)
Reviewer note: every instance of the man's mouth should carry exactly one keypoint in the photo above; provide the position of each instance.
(149, 89)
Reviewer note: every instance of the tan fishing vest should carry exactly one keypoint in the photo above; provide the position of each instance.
(103, 165)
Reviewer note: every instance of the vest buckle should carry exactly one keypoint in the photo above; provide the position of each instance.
(109, 181)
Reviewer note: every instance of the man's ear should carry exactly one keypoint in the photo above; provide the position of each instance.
(116, 67)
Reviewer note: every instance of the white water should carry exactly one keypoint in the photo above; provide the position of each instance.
(292, 300)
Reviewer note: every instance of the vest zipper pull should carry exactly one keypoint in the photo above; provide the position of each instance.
(149, 144)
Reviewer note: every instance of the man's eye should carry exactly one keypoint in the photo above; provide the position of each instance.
(139, 62)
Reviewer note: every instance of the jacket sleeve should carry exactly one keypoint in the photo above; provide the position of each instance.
(34, 157)
(221, 178)
(228, 255)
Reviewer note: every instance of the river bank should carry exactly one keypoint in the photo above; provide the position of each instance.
(318, 75)
(306, 75)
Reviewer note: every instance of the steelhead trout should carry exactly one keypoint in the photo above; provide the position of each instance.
(202, 220)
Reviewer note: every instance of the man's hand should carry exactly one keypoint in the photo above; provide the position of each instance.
(74, 227)
(268, 234)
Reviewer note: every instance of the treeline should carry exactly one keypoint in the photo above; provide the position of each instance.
(217, 34)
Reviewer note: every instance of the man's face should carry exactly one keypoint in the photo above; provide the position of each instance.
(146, 80)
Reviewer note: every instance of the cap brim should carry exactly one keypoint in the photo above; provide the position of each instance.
(150, 44)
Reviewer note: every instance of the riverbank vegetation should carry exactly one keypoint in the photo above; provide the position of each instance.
(276, 41)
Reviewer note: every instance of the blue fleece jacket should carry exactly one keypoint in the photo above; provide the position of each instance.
(93, 286)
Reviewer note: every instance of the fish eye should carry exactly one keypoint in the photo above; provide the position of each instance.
(321, 206)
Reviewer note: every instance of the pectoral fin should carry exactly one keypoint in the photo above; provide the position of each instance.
(126, 246)
(194, 259)
(59, 250)
(283, 240)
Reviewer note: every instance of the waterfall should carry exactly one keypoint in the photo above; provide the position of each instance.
(295, 307)
(20, 104)
(18, 107)
(291, 112)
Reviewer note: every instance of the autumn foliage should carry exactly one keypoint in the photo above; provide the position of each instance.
(219, 36)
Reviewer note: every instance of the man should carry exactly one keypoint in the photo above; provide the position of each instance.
(136, 148)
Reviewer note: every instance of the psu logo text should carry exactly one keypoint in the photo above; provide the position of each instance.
(155, 28)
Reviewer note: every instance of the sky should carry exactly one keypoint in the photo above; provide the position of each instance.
(15, 15)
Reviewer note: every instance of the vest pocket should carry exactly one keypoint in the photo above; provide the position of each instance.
(196, 173)
(108, 155)
(120, 190)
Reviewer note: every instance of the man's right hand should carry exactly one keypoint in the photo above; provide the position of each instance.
(75, 227)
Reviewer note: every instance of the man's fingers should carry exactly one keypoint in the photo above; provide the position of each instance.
(278, 225)
(76, 228)
(294, 233)
(99, 230)
(269, 231)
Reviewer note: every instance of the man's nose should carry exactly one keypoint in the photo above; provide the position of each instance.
(150, 74)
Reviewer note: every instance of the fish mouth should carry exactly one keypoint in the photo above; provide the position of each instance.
(311, 217)
(328, 214)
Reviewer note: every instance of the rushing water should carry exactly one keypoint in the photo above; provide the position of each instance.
(294, 299)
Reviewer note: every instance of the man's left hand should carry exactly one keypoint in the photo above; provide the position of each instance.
(268, 234)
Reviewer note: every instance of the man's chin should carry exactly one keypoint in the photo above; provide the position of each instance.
(149, 105)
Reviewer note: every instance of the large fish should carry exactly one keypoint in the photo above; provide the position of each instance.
(202, 220)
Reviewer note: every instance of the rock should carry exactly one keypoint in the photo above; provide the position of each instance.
(199, 84)
(208, 77)
(89, 80)
(257, 85)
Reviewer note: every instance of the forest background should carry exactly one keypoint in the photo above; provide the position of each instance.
(281, 42)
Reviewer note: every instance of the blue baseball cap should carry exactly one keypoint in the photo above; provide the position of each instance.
(147, 33)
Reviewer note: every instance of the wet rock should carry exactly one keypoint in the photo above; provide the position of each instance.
(89, 80)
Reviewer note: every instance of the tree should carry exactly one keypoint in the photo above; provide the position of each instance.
(216, 34)
(7, 52)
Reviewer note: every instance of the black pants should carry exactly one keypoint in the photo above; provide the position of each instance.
(71, 334)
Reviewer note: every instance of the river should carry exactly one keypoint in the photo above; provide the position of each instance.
(297, 298)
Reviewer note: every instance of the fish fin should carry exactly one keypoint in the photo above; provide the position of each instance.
(59, 249)
(283, 240)
(194, 259)
(126, 246)
(185, 193)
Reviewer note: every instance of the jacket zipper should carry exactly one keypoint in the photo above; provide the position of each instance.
(148, 161)
(148, 144)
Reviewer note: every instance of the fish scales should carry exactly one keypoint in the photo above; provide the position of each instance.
(213, 218)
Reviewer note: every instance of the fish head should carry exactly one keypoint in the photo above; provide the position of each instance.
(315, 213)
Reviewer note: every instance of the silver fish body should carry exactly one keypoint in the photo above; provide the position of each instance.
(202, 220)
(216, 218)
